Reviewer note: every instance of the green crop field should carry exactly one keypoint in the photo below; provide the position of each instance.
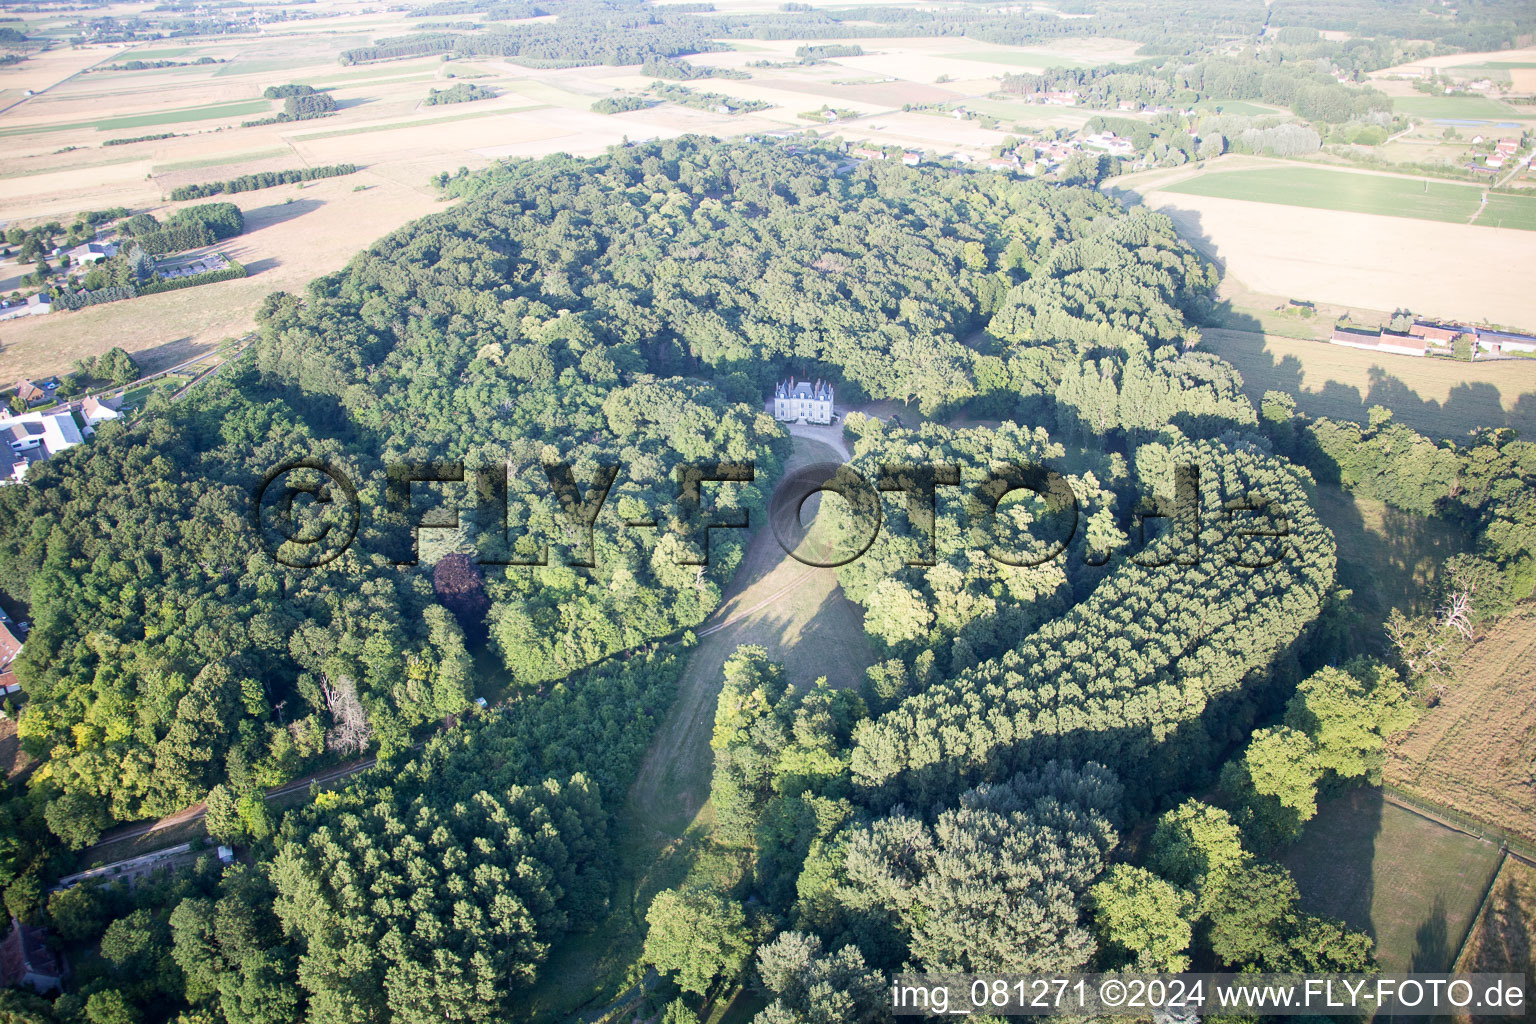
(1496, 65)
(243, 66)
(220, 161)
(1339, 190)
(1452, 107)
(178, 116)
(167, 54)
(1506, 211)
(1412, 883)
(206, 113)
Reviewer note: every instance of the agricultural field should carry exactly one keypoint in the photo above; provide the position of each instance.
(1413, 884)
(1507, 211)
(1454, 108)
(1504, 940)
(1474, 751)
(1339, 190)
(1329, 252)
(1440, 397)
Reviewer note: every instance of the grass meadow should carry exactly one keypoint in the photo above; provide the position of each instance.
(1503, 941)
(1020, 58)
(1412, 883)
(801, 617)
(1339, 190)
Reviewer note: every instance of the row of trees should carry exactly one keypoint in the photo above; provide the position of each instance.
(262, 179)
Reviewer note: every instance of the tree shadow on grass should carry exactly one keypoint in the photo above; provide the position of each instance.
(277, 213)
(1432, 942)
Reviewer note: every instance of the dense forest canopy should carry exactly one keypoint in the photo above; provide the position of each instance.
(630, 312)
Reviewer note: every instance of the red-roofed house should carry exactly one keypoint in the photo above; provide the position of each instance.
(25, 959)
(1438, 334)
(10, 643)
(29, 392)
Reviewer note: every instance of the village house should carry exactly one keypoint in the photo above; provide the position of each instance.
(911, 159)
(12, 638)
(864, 153)
(1435, 334)
(36, 305)
(92, 252)
(25, 959)
(32, 393)
(1379, 341)
(32, 437)
(1498, 343)
(1006, 164)
(1111, 143)
(98, 410)
(803, 401)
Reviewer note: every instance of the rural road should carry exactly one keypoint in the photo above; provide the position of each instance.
(198, 811)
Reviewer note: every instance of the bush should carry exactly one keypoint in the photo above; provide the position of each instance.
(224, 219)
(620, 104)
(301, 108)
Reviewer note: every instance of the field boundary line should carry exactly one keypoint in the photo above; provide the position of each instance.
(1459, 822)
(1482, 906)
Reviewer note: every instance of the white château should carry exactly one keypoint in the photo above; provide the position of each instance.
(803, 401)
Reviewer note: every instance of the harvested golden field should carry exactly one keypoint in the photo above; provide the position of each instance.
(1451, 270)
(285, 245)
(1439, 397)
(1503, 941)
(1476, 750)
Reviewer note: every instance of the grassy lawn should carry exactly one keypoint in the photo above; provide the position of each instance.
(186, 832)
(1506, 211)
(1438, 397)
(1339, 190)
(1412, 883)
(1455, 107)
(1238, 107)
